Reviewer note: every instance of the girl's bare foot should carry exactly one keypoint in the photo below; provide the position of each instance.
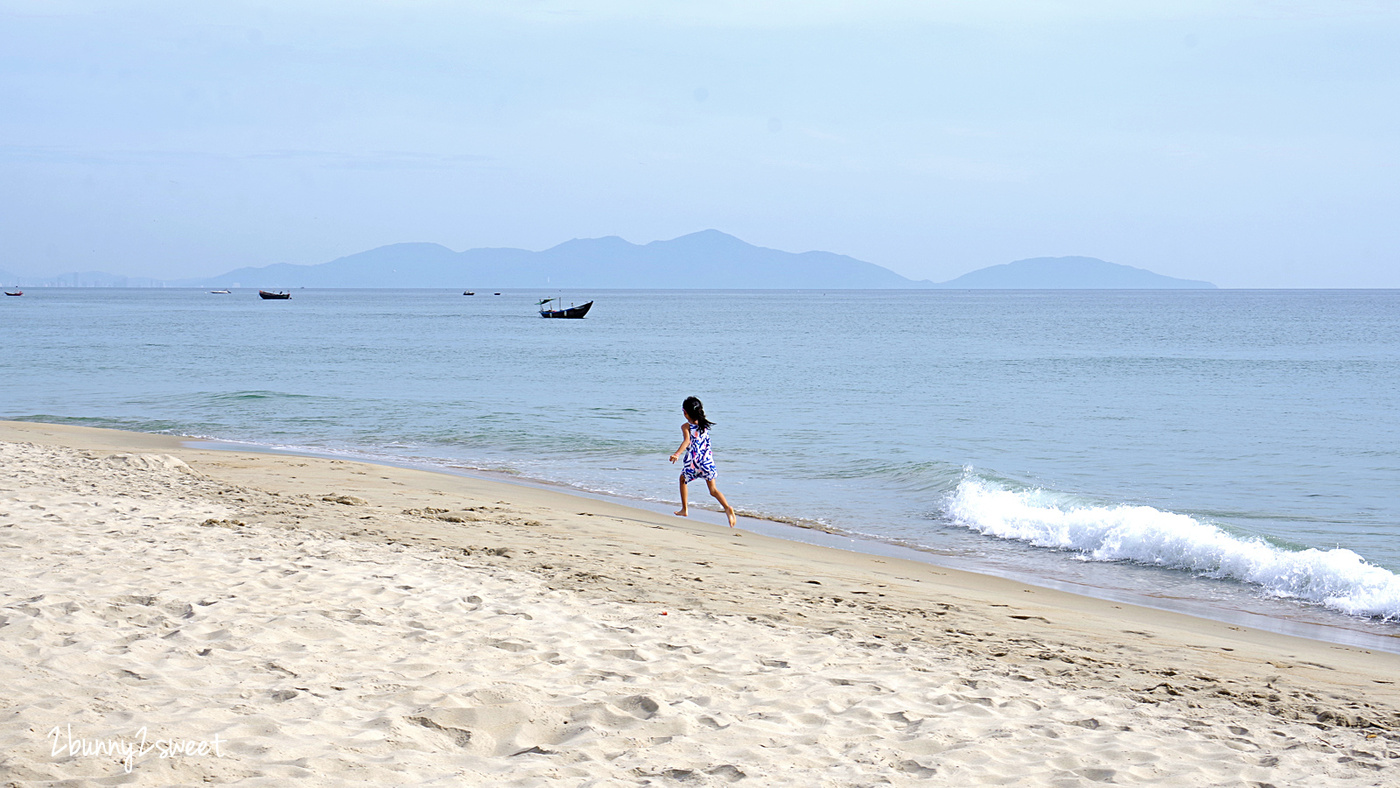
(733, 521)
(682, 513)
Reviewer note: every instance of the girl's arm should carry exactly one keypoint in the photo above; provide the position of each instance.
(685, 441)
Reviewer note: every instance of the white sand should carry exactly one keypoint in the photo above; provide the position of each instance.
(425, 629)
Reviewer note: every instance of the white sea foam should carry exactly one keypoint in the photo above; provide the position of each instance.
(1338, 578)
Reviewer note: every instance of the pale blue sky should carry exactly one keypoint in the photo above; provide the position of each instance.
(1249, 144)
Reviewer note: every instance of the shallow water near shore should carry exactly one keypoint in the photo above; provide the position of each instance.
(1225, 451)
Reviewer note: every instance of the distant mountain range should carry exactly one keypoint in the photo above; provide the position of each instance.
(707, 259)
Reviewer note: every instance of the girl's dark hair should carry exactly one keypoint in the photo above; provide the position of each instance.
(696, 413)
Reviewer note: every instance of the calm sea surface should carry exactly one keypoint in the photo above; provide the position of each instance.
(1215, 451)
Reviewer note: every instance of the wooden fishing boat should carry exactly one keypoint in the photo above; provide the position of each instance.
(15, 293)
(572, 312)
(275, 295)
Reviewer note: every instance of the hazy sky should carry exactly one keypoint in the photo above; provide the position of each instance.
(1253, 144)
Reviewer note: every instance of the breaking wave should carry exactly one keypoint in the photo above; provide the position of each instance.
(1338, 578)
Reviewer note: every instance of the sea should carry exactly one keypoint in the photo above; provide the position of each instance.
(1231, 454)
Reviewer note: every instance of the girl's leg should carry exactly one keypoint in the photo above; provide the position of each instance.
(719, 496)
(684, 508)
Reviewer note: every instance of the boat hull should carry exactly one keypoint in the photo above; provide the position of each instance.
(274, 296)
(572, 313)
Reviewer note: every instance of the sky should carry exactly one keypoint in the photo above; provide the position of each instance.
(1250, 144)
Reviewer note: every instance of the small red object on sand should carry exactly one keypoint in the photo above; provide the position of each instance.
(663, 612)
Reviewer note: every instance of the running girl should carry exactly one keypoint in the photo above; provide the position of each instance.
(699, 462)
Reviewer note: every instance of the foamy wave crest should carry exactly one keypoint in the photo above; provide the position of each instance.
(1338, 578)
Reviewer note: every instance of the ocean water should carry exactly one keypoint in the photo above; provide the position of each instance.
(1220, 452)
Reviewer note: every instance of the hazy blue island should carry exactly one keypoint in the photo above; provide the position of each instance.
(1068, 273)
(708, 259)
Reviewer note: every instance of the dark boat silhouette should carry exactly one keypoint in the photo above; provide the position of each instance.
(272, 296)
(572, 313)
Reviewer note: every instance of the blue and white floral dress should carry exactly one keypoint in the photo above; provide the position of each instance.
(699, 461)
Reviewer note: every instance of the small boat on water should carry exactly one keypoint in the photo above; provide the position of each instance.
(15, 292)
(282, 294)
(220, 292)
(571, 313)
(468, 292)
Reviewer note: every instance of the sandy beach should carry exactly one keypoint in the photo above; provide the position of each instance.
(180, 616)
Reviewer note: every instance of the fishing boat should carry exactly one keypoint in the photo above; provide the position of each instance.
(468, 292)
(572, 312)
(275, 295)
(220, 292)
(16, 292)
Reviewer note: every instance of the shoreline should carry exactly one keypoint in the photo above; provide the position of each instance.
(879, 550)
(1345, 630)
(756, 630)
